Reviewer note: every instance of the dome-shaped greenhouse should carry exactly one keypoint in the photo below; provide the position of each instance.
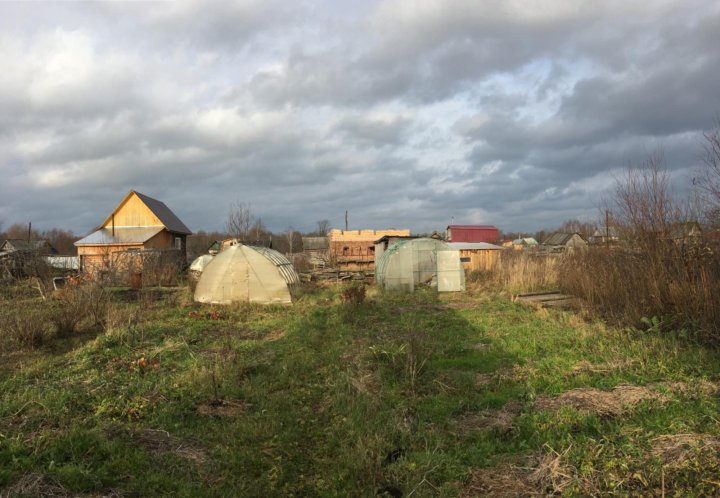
(247, 273)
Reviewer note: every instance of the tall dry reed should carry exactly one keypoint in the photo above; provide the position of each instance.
(521, 271)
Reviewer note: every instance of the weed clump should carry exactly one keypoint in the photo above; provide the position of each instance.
(353, 294)
(25, 328)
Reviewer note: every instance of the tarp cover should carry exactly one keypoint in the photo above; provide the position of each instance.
(409, 263)
(247, 274)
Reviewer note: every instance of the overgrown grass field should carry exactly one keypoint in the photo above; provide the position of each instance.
(400, 395)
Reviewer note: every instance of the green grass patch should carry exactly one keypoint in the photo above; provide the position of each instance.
(331, 399)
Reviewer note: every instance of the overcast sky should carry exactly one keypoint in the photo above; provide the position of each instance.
(409, 114)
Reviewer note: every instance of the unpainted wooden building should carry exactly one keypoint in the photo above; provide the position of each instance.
(138, 226)
(355, 249)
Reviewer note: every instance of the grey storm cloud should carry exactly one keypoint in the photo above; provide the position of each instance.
(407, 114)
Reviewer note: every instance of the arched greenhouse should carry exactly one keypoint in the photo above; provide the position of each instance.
(409, 263)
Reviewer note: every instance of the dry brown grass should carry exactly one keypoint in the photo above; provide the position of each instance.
(524, 271)
(544, 474)
(675, 450)
(45, 486)
(585, 366)
(604, 403)
(159, 442)
(39, 485)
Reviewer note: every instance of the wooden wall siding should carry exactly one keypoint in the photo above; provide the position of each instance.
(163, 240)
(94, 259)
(134, 213)
(355, 249)
(480, 260)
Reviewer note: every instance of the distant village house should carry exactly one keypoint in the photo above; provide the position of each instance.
(355, 249)
(561, 242)
(472, 233)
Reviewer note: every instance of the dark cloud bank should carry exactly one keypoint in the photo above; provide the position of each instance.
(407, 114)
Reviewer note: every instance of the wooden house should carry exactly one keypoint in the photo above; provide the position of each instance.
(560, 242)
(355, 249)
(605, 235)
(37, 246)
(20, 256)
(138, 225)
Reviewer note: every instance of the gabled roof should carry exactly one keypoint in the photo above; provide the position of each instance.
(122, 235)
(24, 245)
(159, 209)
(525, 241)
(560, 239)
(606, 232)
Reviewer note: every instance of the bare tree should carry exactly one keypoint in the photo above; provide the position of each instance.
(644, 208)
(61, 240)
(259, 230)
(290, 234)
(239, 220)
(577, 226)
(707, 182)
(322, 227)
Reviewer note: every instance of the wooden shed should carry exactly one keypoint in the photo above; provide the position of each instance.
(477, 256)
(138, 225)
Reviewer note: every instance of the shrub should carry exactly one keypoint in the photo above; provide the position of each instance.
(659, 270)
(77, 300)
(353, 294)
(25, 328)
(627, 286)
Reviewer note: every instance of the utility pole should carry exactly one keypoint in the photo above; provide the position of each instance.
(607, 228)
(346, 220)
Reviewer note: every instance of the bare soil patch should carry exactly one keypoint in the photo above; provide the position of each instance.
(500, 420)
(222, 408)
(604, 403)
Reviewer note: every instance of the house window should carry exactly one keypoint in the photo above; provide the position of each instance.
(346, 250)
(178, 243)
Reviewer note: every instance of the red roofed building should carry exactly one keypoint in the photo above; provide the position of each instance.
(472, 233)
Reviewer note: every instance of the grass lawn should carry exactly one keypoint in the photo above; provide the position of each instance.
(457, 395)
